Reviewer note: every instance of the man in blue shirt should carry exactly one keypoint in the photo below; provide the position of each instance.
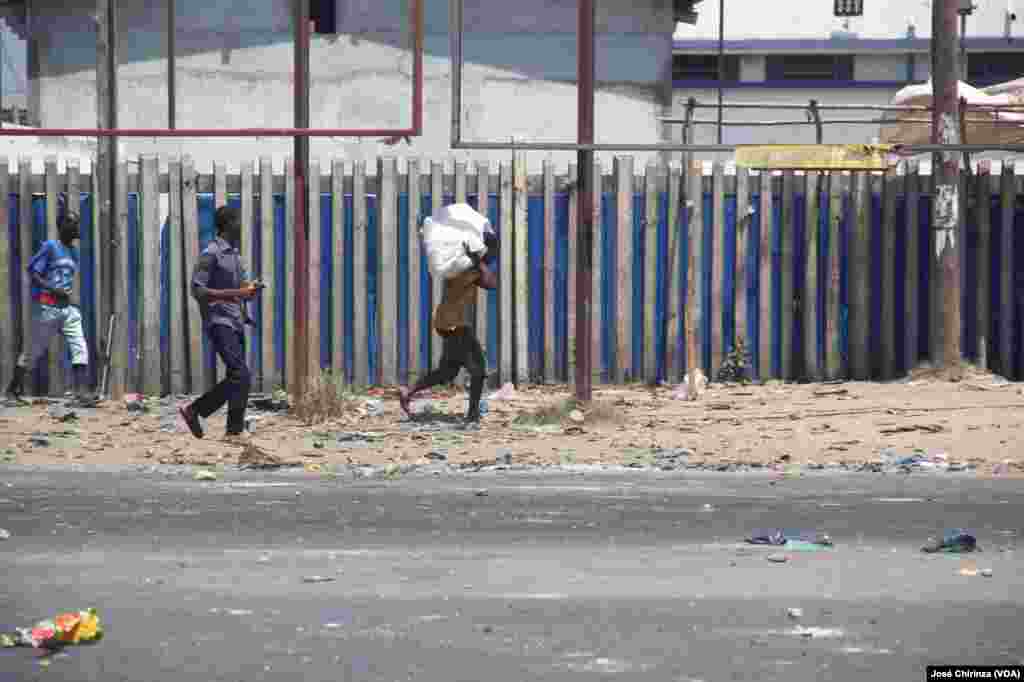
(221, 287)
(52, 271)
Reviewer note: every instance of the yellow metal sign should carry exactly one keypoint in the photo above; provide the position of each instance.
(877, 157)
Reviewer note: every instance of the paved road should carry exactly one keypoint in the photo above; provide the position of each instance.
(547, 576)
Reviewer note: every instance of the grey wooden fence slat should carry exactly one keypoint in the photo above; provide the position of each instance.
(437, 283)
(506, 354)
(982, 202)
(414, 190)
(809, 307)
(26, 247)
(651, 255)
(764, 354)
(570, 312)
(190, 226)
(360, 330)
(100, 240)
(8, 268)
(694, 275)
(119, 366)
(742, 236)
(339, 255)
(624, 270)
(460, 182)
(220, 198)
(247, 247)
(674, 360)
(483, 188)
(1006, 281)
(176, 294)
(521, 272)
(837, 189)
(859, 269)
(270, 377)
(788, 289)
(290, 347)
(149, 266)
(887, 345)
(719, 344)
(74, 205)
(548, 346)
(55, 355)
(387, 267)
(315, 362)
(912, 270)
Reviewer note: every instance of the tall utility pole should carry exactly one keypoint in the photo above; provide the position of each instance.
(946, 240)
(584, 198)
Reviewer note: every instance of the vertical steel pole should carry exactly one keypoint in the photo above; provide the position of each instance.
(947, 242)
(299, 346)
(584, 199)
(172, 86)
(721, 62)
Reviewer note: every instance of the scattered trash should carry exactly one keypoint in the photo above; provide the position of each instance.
(5, 534)
(956, 541)
(795, 614)
(506, 392)
(135, 403)
(9, 457)
(968, 571)
(41, 441)
(817, 633)
(63, 415)
(986, 572)
(81, 627)
(269, 403)
(373, 407)
(314, 467)
(255, 457)
(1003, 468)
(313, 579)
(682, 391)
(205, 475)
(437, 456)
(392, 470)
(777, 558)
(910, 428)
(576, 417)
(707, 508)
(822, 393)
(504, 457)
(481, 493)
(798, 538)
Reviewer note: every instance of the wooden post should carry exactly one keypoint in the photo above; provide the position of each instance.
(1007, 301)
(289, 375)
(56, 353)
(120, 381)
(651, 257)
(314, 239)
(271, 376)
(483, 190)
(624, 270)
(888, 292)
(414, 189)
(387, 269)
(719, 345)
(506, 352)
(859, 268)
(8, 268)
(360, 329)
(983, 319)
(521, 273)
(177, 293)
(744, 214)
(673, 358)
(437, 283)
(190, 227)
(788, 292)
(765, 371)
(460, 182)
(339, 255)
(247, 250)
(74, 201)
(548, 351)
(812, 213)
(27, 249)
(912, 272)
(149, 273)
(694, 272)
(598, 302)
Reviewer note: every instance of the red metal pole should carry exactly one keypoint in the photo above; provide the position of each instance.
(211, 132)
(417, 69)
(299, 344)
(584, 199)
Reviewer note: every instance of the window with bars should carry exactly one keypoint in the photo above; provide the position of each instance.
(810, 67)
(704, 67)
(989, 68)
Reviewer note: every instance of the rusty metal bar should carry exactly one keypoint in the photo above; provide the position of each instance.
(172, 87)
(814, 113)
(688, 122)
(584, 198)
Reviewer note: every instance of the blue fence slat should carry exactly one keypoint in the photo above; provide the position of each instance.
(562, 255)
(535, 259)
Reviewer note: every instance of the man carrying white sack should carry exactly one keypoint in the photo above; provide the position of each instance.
(451, 320)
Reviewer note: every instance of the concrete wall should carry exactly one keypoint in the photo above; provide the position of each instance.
(235, 69)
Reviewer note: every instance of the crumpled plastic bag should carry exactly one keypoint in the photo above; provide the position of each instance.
(72, 628)
(957, 541)
(798, 538)
(444, 234)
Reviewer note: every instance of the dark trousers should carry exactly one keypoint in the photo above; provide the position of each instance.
(460, 349)
(234, 388)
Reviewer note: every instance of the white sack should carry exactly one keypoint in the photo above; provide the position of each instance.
(446, 231)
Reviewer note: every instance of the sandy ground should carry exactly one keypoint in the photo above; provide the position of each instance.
(972, 425)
